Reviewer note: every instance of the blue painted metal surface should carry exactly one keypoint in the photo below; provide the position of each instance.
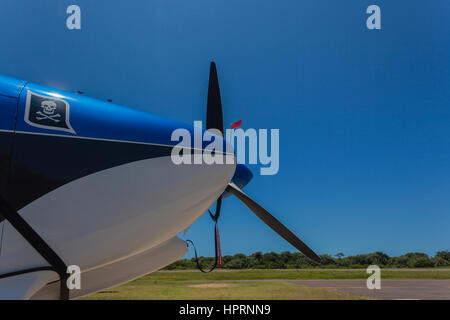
(10, 89)
(101, 119)
(242, 176)
(90, 117)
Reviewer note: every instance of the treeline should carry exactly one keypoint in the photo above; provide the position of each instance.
(289, 260)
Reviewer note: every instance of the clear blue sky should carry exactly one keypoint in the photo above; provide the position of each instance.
(363, 115)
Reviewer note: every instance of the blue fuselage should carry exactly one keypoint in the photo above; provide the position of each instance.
(50, 137)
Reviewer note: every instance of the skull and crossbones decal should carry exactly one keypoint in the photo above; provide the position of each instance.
(48, 111)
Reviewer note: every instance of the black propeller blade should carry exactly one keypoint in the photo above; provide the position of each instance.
(214, 116)
(214, 120)
(272, 222)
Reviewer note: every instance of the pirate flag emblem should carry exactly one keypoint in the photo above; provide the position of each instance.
(47, 112)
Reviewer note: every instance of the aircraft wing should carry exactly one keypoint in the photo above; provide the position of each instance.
(24, 286)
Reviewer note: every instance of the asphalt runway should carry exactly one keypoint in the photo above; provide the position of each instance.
(399, 289)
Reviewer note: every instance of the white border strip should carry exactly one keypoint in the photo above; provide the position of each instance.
(107, 140)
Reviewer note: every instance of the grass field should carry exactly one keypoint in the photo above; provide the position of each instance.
(198, 290)
(227, 284)
(264, 274)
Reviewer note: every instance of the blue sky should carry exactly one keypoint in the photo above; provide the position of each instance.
(363, 115)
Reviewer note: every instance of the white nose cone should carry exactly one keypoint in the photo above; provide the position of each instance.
(117, 213)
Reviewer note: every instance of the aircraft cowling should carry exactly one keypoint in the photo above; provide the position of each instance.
(99, 185)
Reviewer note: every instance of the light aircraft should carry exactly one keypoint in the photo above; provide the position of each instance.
(90, 183)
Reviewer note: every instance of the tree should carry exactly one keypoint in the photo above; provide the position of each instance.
(445, 255)
(273, 260)
(378, 258)
(326, 259)
(238, 261)
(421, 262)
(439, 262)
(255, 260)
(339, 255)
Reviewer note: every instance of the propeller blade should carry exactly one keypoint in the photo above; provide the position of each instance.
(272, 222)
(214, 115)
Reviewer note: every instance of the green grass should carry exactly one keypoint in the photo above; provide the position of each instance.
(264, 274)
(146, 289)
(227, 284)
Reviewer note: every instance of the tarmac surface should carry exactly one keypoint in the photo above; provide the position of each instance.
(391, 289)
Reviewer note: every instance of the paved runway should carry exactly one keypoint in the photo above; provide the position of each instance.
(390, 289)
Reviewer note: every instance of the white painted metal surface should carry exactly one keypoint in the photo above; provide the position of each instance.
(115, 214)
(121, 271)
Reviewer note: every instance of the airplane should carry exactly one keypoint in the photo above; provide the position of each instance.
(90, 183)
